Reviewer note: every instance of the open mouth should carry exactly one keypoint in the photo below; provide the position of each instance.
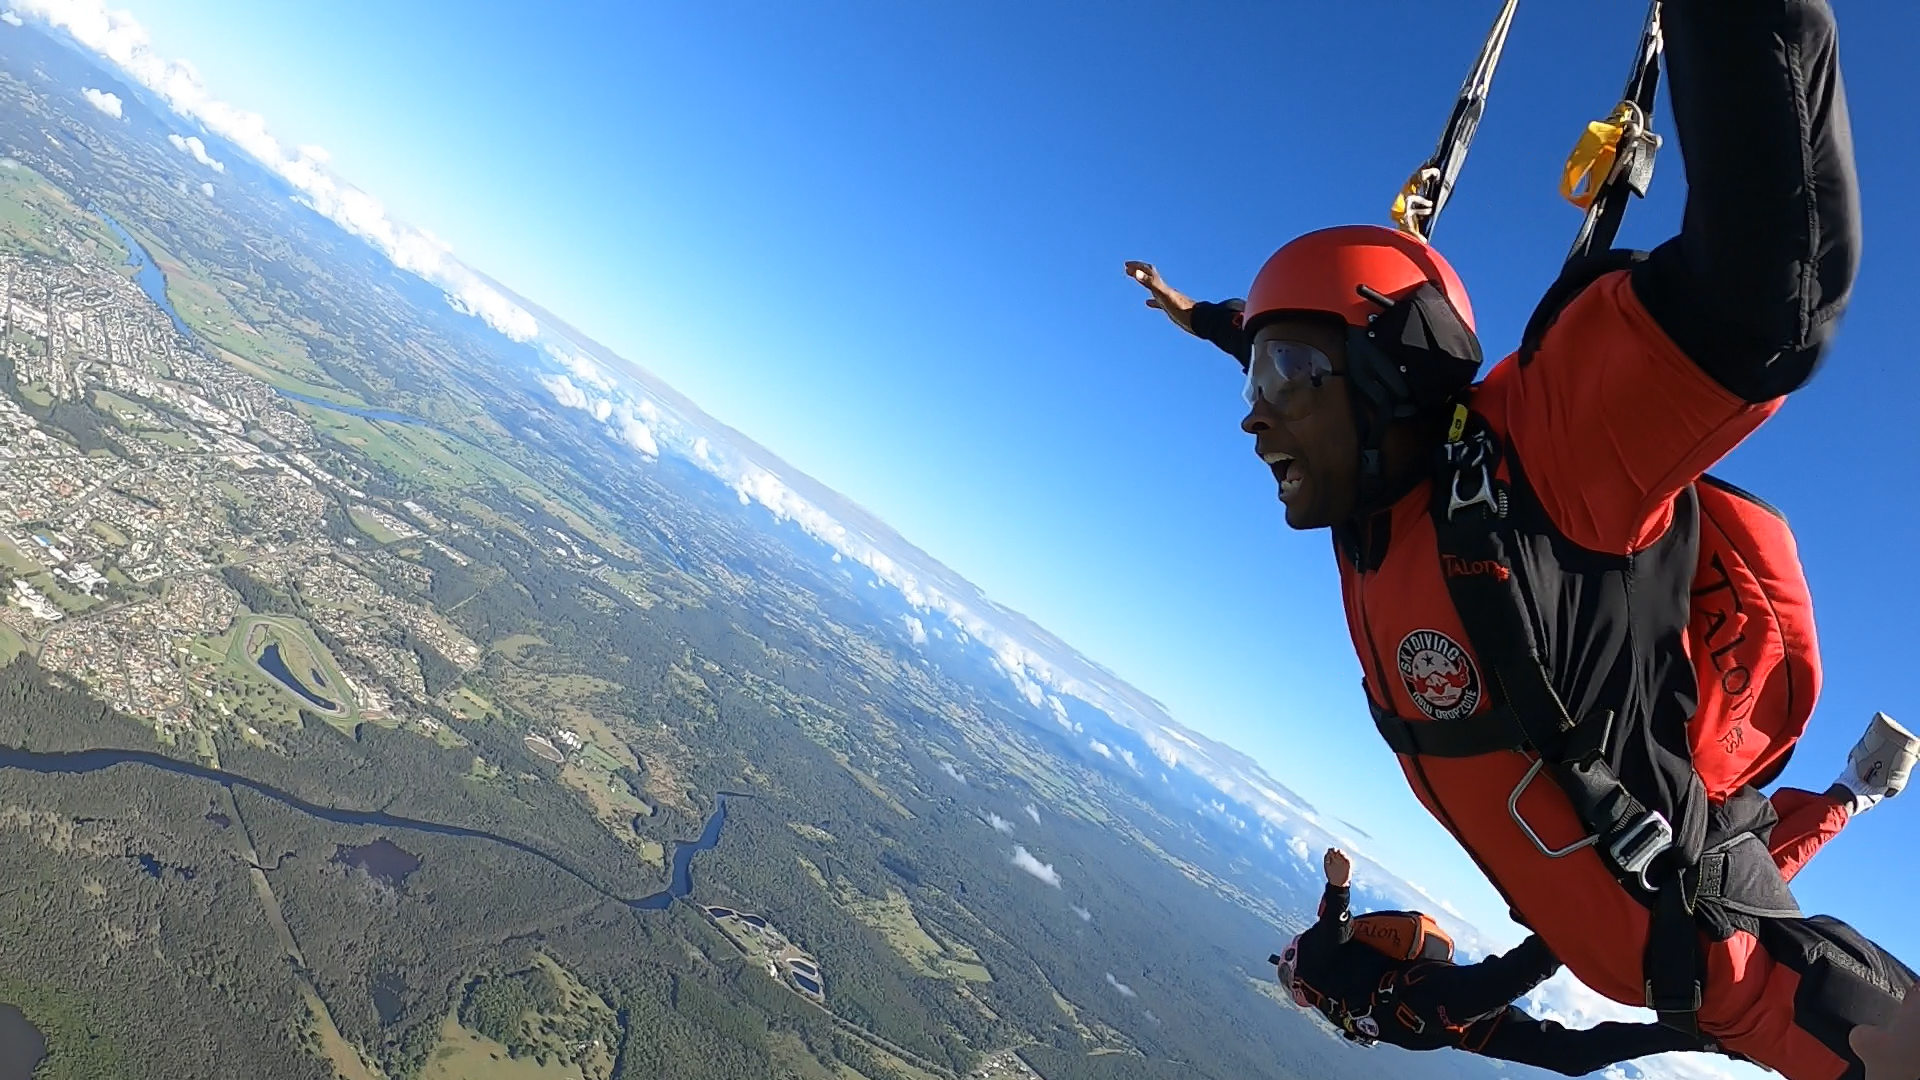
(1286, 470)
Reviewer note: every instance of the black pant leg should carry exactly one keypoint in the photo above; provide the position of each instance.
(1515, 1036)
(1845, 980)
(1458, 994)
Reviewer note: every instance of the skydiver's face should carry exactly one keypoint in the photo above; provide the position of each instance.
(1307, 436)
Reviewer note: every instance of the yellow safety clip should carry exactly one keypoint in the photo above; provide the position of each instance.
(1590, 165)
(1458, 426)
(1410, 208)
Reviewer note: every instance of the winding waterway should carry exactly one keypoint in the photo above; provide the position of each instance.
(146, 272)
(75, 762)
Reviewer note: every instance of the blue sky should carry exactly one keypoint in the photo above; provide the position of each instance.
(884, 240)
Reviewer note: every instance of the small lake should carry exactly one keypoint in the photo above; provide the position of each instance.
(275, 665)
(383, 860)
(146, 274)
(21, 1045)
(388, 999)
(681, 883)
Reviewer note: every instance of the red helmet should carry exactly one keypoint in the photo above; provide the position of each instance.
(1323, 271)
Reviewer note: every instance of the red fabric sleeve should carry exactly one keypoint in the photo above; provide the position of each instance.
(1612, 420)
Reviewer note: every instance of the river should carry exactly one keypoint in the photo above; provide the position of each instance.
(146, 273)
(74, 762)
(21, 1045)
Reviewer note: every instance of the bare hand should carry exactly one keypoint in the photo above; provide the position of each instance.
(1339, 868)
(1177, 305)
(1892, 1052)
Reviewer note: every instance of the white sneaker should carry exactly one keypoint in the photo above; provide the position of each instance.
(1882, 761)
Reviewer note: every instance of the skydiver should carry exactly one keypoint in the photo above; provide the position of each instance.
(1640, 859)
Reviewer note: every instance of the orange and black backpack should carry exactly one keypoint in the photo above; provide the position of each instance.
(1404, 935)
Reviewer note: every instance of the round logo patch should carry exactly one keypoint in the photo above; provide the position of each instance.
(1439, 675)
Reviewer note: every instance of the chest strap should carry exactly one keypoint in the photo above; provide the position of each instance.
(1636, 843)
(1469, 736)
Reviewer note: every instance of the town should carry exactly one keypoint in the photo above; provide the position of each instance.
(137, 472)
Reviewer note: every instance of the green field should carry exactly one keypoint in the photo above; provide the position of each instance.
(10, 645)
(248, 640)
(368, 524)
(894, 918)
(469, 1055)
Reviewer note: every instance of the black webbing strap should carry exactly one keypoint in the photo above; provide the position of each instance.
(1474, 534)
(1468, 736)
(1635, 171)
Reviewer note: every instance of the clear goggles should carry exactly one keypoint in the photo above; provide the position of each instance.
(1285, 374)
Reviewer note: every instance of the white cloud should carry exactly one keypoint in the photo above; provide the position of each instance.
(564, 391)
(1125, 990)
(635, 433)
(1299, 848)
(602, 409)
(1100, 748)
(316, 153)
(1024, 860)
(10, 18)
(105, 102)
(1085, 915)
(584, 369)
(191, 144)
(207, 190)
(1127, 756)
(119, 38)
(947, 767)
(1033, 813)
(1000, 824)
(917, 630)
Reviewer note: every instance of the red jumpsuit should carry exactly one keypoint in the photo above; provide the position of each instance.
(1611, 420)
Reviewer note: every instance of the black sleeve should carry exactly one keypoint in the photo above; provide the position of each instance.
(1482, 988)
(1335, 925)
(1753, 285)
(1220, 324)
(1521, 968)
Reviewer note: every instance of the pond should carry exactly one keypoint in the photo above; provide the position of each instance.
(21, 1045)
(388, 999)
(383, 860)
(275, 665)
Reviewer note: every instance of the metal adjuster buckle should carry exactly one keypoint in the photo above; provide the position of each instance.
(1484, 495)
(1474, 456)
(1513, 809)
(1644, 841)
(1653, 1000)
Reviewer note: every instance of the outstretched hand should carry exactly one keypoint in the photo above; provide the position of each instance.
(1339, 868)
(1892, 1052)
(1177, 305)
